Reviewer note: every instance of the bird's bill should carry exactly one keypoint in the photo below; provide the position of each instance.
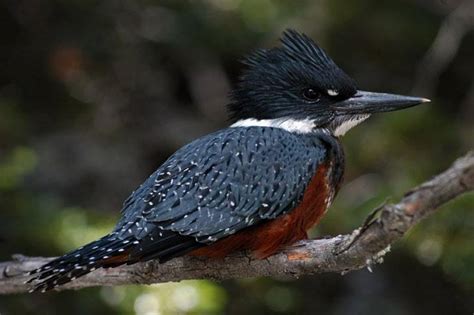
(370, 102)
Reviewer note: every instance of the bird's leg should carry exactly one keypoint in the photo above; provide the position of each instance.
(371, 218)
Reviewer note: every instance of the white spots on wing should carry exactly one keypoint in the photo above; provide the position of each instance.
(249, 221)
(332, 92)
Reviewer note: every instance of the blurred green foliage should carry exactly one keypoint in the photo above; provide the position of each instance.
(18, 163)
(95, 95)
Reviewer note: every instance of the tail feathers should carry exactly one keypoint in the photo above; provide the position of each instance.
(105, 252)
(111, 251)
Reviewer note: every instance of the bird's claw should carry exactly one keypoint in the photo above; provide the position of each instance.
(356, 234)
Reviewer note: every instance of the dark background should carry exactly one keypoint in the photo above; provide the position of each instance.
(94, 95)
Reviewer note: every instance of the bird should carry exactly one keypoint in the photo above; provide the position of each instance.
(258, 185)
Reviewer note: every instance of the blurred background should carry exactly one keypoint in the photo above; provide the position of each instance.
(95, 95)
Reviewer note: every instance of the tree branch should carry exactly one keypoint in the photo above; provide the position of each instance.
(343, 253)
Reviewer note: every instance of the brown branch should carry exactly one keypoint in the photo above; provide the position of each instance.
(343, 253)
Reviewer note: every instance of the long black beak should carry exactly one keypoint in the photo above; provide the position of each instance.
(369, 102)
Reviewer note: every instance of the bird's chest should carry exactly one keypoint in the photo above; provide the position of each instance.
(317, 197)
(291, 227)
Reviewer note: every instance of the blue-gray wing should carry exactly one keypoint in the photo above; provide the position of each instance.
(224, 182)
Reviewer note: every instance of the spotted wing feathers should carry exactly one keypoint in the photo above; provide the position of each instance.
(225, 182)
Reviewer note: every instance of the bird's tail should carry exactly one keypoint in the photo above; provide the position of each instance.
(109, 251)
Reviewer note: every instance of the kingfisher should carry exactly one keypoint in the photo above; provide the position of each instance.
(258, 185)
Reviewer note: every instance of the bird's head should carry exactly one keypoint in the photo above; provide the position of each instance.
(298, 86)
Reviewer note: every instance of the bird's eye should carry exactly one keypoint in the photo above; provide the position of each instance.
(311, 95)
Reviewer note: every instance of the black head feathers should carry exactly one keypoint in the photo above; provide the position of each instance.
(276, 80)
(295, 47)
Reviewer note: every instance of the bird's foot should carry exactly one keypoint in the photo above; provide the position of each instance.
(346, 244)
